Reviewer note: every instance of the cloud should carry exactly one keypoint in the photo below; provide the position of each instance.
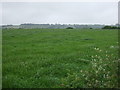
(64, 12)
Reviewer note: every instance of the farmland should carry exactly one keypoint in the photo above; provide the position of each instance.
(59, 58)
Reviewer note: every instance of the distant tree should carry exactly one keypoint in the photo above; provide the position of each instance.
(110, 27)
(69, 28)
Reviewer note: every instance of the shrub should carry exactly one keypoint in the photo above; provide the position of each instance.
(69, 28)
(102, 73)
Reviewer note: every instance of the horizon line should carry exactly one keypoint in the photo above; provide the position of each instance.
(63, 24)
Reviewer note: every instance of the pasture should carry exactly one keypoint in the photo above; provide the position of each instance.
(59, 58)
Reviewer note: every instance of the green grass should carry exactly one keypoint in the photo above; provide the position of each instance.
(59, 58)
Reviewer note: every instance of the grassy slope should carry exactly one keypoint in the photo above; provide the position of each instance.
(42, 57)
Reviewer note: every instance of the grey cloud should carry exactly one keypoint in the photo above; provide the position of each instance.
(65, 12)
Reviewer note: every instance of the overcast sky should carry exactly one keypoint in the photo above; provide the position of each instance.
(60, 12)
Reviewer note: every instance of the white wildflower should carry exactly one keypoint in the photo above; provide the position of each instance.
(81, 71)
(96, 71)
(96, 81)
(97, 49)
(111, 46)
(100, 50)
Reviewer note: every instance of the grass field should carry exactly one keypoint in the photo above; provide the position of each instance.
(59, 58)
